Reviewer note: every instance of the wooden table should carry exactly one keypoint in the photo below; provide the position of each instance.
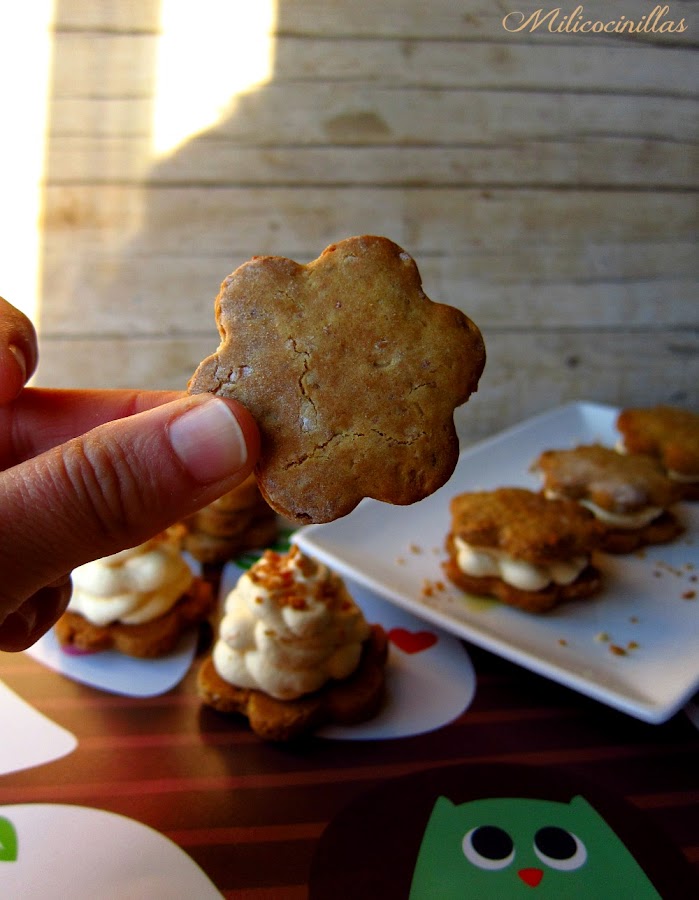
(252, 814)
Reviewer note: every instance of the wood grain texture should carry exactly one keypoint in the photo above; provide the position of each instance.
(544, 181)
(527, 371)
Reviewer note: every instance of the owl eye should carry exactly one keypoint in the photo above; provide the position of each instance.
(559, 849)
(488, 847)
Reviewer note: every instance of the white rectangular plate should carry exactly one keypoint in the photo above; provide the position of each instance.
(649, 607)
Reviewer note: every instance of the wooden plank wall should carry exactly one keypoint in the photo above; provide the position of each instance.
(544, 181)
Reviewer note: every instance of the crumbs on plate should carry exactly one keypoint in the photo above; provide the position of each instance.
(429, 588)
(602, 637)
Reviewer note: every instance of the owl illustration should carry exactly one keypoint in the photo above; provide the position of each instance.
(507, 848)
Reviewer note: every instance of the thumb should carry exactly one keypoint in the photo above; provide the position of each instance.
(116, 486)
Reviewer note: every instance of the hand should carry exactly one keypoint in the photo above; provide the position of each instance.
(84, 474)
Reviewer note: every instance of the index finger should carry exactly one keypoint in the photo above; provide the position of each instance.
(41, 418)
(18, 351)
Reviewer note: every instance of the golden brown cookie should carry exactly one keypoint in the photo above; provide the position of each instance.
(671, 435)
(147, 640)
(238, 521)
(351, 372)
(633, 487)
(345, 702)
(662, 530)
(515, 528)
(212, 549)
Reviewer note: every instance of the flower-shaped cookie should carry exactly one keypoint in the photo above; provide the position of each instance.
(351, 372)
(671, 435)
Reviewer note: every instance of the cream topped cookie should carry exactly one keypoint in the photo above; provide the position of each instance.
(294, 650)
(134, 585)
(290, 626)
(139, 601)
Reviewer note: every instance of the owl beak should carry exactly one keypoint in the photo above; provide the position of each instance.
(532, 877)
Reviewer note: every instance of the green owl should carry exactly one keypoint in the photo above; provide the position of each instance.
(507, 848)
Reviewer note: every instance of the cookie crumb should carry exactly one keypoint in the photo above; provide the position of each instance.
(633, 620)
(602, 637)
(632, 645)
(689, 595)
(617, 650)
(415, 548)
(563, 642)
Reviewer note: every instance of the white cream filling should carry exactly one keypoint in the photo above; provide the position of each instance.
(482, 563)
(624, 520)
(617, 520)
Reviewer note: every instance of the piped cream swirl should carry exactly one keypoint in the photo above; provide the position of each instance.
(133, 586)
(290, 625)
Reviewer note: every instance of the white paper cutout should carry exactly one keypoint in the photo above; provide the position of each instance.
(424, 690)
(28, 738)
(82, 853)
(115, 672)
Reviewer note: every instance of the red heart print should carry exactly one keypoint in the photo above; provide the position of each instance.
(412, 641)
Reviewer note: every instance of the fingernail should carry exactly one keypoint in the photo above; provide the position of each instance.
(21, 360)
(208, 441)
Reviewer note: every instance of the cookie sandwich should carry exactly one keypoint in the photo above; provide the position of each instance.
(294, 651)
(630, 495)
(238, 521)
(139, 601)
(514, 544)
(351, 372)
(671, 435)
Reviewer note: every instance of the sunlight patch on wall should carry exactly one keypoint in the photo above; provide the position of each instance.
(208, 53)
(25, 64)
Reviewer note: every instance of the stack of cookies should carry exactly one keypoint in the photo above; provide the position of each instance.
(630, 495)
(238, 521)
(670, 435)
(524, 549)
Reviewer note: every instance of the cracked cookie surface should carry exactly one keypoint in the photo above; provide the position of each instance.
(351, 372)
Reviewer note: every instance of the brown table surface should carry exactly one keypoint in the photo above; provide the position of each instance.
(251, 814)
